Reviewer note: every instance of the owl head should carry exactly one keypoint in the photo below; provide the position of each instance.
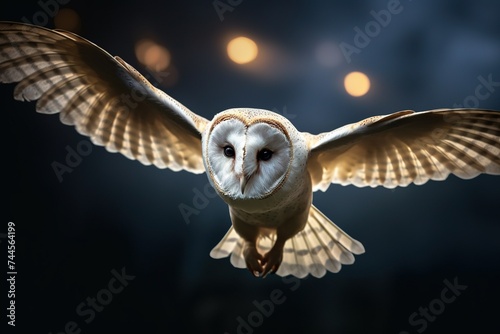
(248, 153)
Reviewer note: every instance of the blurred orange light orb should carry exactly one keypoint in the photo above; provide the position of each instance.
(357, 84)
(152, 55)
(242, 50)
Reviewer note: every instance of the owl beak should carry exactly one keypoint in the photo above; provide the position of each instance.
(243, 182)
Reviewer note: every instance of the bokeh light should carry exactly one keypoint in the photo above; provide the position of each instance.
(68, 19)
(357, 84)
(242, 50)
(152, 55)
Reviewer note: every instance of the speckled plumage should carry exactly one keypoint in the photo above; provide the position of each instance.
(258, 162)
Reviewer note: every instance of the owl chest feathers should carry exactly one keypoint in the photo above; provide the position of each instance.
(284, 206)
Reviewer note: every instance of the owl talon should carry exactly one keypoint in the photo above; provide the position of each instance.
(272, 261)
(253, 260)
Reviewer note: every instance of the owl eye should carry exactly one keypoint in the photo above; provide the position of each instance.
(229, 151)
(264, 154)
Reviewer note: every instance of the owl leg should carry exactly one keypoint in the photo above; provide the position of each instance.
(272, 259)
(250, 234)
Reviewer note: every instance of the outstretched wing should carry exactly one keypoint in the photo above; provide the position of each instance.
(405, 147)
(102, 96)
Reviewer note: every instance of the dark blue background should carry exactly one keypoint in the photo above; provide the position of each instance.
(111, 212)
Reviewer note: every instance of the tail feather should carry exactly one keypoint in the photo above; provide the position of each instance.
(231, 244)
(320, 247)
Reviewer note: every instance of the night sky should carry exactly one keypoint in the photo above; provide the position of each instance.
(433, 247)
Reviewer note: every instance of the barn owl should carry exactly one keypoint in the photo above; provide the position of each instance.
(256, 160)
